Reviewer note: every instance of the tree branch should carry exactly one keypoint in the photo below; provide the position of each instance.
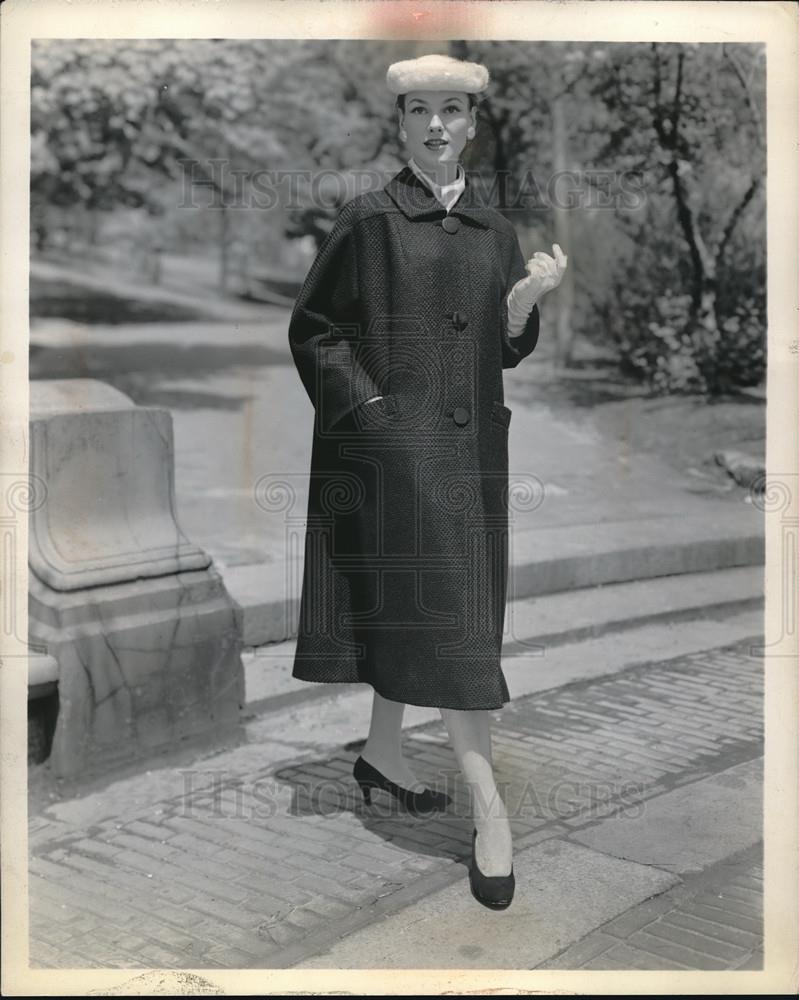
(676, 105)
(701, 259)
(657, 114)
(750, 97)
(736, 214)
(700, 255)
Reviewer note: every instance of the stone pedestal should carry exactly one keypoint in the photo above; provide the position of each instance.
(108, 470)
(146, 637)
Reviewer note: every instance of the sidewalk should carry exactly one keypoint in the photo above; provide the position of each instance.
(710, 921)
(629, 792)
(242, 429)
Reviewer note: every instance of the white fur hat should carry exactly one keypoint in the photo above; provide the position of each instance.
(436, 72)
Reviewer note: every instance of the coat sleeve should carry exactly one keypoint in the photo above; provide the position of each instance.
(324, 330)
(514, 349)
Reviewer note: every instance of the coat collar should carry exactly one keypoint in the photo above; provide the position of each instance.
(416, 201)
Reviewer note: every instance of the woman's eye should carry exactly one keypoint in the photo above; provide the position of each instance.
(453, 107)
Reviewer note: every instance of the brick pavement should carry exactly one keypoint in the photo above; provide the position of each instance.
(262, 869)
(712, 921)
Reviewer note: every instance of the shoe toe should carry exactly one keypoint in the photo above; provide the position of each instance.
(494, 891)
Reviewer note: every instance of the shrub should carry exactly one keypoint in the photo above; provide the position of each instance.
(662, 345)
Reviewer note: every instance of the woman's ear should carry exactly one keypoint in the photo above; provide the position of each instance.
(471, 131)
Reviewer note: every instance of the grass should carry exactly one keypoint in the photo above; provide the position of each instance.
(685, 431)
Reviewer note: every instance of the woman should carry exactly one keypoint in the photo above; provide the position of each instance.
(417, 300)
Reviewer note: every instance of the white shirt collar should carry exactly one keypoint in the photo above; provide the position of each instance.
(447, 194)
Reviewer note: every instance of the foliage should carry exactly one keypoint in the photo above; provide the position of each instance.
(107, 115)
(688, 305)
(665, 145)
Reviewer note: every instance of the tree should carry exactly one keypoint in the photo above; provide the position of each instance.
(112, 120)
(645, 162)
(538, 121)
(689, 119)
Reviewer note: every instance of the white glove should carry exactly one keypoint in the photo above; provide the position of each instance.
(543, 274)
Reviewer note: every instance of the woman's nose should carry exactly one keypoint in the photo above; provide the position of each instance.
(435, 124)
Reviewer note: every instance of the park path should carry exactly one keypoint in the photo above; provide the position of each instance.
(242, 421)
(621, 788)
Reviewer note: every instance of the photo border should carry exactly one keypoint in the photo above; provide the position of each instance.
(776, 24)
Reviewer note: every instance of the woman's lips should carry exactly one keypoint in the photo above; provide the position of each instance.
(436, 143)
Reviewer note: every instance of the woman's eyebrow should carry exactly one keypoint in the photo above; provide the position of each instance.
(446, 100)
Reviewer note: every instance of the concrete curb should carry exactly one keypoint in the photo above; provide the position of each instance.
(547, 560)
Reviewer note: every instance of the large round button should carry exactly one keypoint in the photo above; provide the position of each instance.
(460, 320)
(461, 416)
(451, 224)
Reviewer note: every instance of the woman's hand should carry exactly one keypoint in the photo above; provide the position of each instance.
(544, 274)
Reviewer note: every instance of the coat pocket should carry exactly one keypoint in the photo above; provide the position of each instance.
(500, 414)
(376, 414)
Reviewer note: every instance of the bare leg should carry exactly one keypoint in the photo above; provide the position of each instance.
(383, 747)
(470, 736)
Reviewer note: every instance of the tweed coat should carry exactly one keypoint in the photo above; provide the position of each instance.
(406, 545)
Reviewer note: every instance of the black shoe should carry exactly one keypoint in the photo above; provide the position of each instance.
(495, 891)
(368, 777)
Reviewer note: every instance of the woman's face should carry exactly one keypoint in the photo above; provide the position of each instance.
(436, 122)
